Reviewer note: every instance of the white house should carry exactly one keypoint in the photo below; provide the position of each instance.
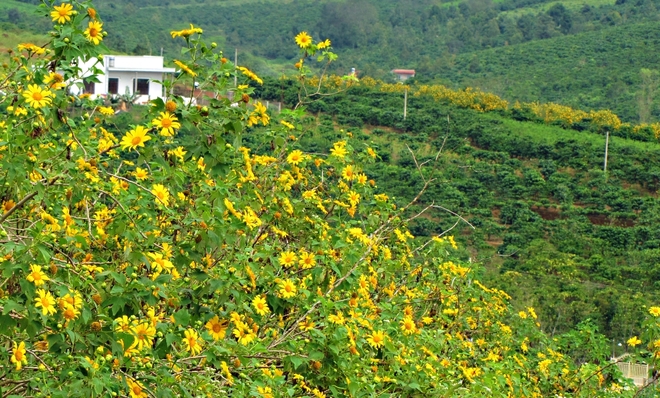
(128, 73)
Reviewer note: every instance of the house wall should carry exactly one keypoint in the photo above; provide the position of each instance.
(126, 81)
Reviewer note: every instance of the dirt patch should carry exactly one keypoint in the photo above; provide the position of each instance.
(494, 242)
(547, 213)
(604, 219)
(495, 212)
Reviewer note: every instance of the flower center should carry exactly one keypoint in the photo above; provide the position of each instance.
(37, 96)
(63, 12)
(288, 288)
(93, 32)
(217, 328)
(19, 355)
(137, 390)
(166, 123)
(137, 140)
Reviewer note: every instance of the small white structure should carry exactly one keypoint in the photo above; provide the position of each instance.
(404, 74)
(127, 74)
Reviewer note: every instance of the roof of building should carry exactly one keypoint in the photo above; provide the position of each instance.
(404, 71)
(137, 69)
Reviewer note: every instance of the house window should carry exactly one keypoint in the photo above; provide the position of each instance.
(141, 86)
(113, 85)
(89, 88)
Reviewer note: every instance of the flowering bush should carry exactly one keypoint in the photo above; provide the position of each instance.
(174, 260)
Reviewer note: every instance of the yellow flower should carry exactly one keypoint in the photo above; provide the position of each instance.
(339, 149)
(18, 355)
(287, 124)
(62, 13)
(94, 32)
(337, 318)
(522, 314)
(124, 324)
(633, 341)
(303, 40)
(136, 389)
(376, 339)
(73, 299)
(160, 192)
(306, 325)
(288, 258)
(159, 263)
(135, 138)
(46, 301)
(408, 325)
(217, 328)
(144, 335)
(31, 48)
(185, 68)
(307, 260)
(37, 276)
(266, 392)
(654, 311)
(106, 110)
(353, 198)
(250, 74)
(178, 152)
(37, 97)
(259, 304)
(348, 173)
(295, 157)
(287, 289)
(70, 313)
(185, 33)
(250, 218)
(140, 174)
(192, 342)
(244, 334)
(167, 123)
(324, 44)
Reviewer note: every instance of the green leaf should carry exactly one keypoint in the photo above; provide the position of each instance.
(11, 305)
(182, 317)
(296, 361)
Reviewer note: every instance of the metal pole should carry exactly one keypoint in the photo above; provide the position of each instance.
(405, 104)
(235, 66)
(607, 144)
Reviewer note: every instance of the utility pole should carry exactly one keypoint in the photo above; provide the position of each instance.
(405, 103)
(607, 144)
(236, 66)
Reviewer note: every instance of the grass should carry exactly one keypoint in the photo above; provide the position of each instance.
(20, 6)
(551, 134)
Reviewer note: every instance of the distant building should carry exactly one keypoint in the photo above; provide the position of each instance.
(404, 74)
(130, 74)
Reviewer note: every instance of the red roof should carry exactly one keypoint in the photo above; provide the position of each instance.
(404, 71)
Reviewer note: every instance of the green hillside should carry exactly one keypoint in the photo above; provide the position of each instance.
(591, 70)
(587, 54)
(552, 229)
